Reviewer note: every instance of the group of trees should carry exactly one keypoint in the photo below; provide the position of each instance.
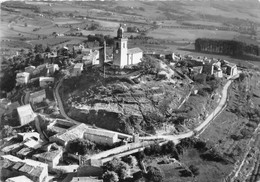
(116, 169)
(227, 47)
(165, 149)
(101, 38)
(80, 146)
(149, 65)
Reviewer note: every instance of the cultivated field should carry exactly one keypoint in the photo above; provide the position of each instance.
(190, 34)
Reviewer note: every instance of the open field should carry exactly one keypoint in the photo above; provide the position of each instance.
(190, 34)
(204, 23)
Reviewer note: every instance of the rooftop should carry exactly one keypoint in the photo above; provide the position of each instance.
(11, 158)
(36, 171)
(83, 179)
(100, 132)
(25, 110)
(26, 168)
(48, 155)
(134, 50)
(11, 147)
(24, 151)
(38, 93)
(22, 74)
(78, 65)
(72, 133)
(46, 78)
(19, 179)
(33, 144)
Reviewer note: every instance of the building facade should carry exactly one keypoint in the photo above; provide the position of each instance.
(38, 96)
(122, 56)
(26, 114)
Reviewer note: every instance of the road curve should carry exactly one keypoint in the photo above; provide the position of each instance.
(174, 138)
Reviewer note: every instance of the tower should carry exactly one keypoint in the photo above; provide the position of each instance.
(120, 49)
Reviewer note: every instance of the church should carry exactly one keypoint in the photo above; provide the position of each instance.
(122, 56)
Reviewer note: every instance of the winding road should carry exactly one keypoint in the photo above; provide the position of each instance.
(174, 138)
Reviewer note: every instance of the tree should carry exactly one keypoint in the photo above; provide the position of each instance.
(8, 131)
(131, 160)
(140, 156)
(154, 174)
(48, 49)
(110, 176)
(38, 48)
(242, 76)
(118, 166)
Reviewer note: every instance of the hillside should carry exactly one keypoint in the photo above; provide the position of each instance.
(133, 102)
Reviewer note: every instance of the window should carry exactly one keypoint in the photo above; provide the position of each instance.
(123, 45)
(117, 45)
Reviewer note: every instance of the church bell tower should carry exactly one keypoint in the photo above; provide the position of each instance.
(120, 49)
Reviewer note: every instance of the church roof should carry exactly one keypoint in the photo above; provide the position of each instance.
(134, 50)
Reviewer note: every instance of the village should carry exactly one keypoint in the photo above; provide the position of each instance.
(43, 146)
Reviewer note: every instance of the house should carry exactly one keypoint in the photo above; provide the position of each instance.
(231, 69)
(77, 69)
(52, 158)
(18, 179)
(78, 48)
(92, 58)
(197, 69)
(72, 133)
(46, 81)
(14, 166)
(51, 68)
(29, 69)
(52, 55)
(33, 144)
(22, 78)
(24, 152)
(37, 97)
(134, 56)
(101, 136)
(27, 135)
(26, 114)
(122, 56)
(12, 149)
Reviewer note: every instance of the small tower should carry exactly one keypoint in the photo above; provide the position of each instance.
(102, 55)
(120, 49)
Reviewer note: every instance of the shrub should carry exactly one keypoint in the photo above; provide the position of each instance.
(242, 76)
(154, 174)
(110, 176)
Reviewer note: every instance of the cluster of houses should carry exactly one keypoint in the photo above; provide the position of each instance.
(27, 157)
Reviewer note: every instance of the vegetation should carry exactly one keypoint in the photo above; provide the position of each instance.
(154, 174)
(110, 176)
(227, 47)
(121, 168)
(80, 146)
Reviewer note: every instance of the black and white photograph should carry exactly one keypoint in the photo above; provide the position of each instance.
(130, 91)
